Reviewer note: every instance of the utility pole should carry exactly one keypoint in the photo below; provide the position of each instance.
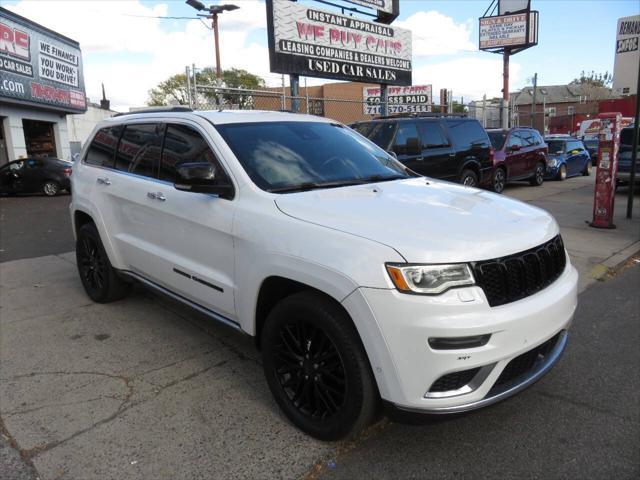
(384, 99)
(533, 101)
(505, 88)
(195, 87)
(634, 151)
(484, 110)
(186, 72)
(294, 81)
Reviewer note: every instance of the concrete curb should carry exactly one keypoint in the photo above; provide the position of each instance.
(599, 271)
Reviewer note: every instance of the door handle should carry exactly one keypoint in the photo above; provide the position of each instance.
(156, 196)
(103, 180)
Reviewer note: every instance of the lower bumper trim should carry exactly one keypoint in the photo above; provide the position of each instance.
(499, 394)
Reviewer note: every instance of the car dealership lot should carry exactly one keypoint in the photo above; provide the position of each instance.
(145, 388)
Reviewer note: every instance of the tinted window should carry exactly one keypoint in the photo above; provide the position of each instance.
(139, 149)
(432, 135)
(382, 133)
(103, 147)
(556, 146)
(406, 130)
(280, 155)
(626, 136)
(183, 144)
(363, 128)
(497, 138)
(467, 132)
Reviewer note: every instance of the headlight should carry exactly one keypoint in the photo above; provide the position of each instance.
(429, 279)
(552, 162)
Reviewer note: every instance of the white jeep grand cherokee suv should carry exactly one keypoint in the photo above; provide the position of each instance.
(360, 280)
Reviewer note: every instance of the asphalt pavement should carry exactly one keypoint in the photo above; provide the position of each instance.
(581, 421)
(34, 226)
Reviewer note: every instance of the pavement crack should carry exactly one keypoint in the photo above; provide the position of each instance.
(63, 404)
(14, 444)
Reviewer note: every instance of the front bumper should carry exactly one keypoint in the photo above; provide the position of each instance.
(552, 172)
(396, 328)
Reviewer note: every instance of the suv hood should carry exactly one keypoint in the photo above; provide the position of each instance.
(425, 220)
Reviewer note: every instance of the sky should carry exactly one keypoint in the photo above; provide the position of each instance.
(128, 49)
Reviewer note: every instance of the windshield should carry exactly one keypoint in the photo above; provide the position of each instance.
(289, 156)
(497, 138)
(556, 146)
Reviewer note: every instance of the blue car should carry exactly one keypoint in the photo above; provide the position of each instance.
(568, 157)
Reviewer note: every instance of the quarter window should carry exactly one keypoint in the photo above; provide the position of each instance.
(183, 144)
(467, 133)
(103, 147)
(139, 149)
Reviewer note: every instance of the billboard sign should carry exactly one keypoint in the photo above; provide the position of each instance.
(386, 6)
(318, 43)
(625, 69)
(512, 6)
(411, 99)
(39, 67)
(509, 31)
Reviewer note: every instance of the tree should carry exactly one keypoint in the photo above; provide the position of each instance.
(174, 89)
(594, 79)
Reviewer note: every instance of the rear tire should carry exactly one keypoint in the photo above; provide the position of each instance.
(50, 188)
(499, 180)
(469, 178)
(316, 367)
(588, 168)
(538, 176)
(99, 279)
(562, 173)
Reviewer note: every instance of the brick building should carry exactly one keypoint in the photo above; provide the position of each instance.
(341, 101)
(558, 108)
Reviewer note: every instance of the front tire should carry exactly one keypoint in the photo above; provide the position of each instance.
(469, 178)
(316, 367)
(562, 173)
(50, 188)
(499, 180)
(588, 168)
(99, 279)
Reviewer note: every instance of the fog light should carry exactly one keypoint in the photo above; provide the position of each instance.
(456, 343)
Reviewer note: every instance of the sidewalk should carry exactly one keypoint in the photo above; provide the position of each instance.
(593, 251)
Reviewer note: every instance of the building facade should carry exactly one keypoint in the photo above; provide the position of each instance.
(42, 83)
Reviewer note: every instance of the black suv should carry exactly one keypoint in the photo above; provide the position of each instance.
(453, 148)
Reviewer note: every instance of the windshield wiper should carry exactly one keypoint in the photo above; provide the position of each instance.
(306, 186)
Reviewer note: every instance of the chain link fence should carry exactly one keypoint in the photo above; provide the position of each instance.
(344, 110)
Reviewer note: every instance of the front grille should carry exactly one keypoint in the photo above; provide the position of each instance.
(523, 364)
(453, 381)
(507, 279)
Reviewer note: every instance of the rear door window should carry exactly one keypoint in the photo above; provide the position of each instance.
(467, 133)
(139, 149)
(185, 145)
(382, 134)
(432, 135)
(515, 140)
(102, 149)
(406, 130)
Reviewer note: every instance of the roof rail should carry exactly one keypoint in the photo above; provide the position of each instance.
(424, 114)
(156, 110)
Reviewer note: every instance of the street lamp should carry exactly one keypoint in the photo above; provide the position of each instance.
(213, 10)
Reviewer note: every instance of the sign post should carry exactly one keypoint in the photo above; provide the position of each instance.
(605, 189)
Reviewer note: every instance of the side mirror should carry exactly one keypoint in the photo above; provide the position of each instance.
(202, 177)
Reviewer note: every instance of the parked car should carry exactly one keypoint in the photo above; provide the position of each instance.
(453, 148)
(519, 154)
(568, 157)
(591, 145)
(361, 282)
(624, 158)
(32, 175)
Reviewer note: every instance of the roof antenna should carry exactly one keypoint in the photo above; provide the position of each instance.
(104, 103)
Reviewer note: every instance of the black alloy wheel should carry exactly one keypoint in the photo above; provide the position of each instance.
(99, 279)
(499, 180)
(310, 370)
(538, 175)
(91, 264)
(316, 366)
